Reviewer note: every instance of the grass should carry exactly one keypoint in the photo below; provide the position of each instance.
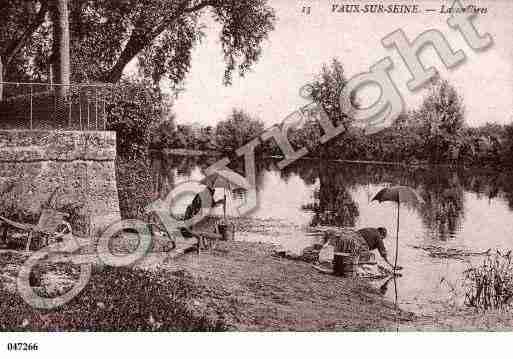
(490, 284)
(116, 299)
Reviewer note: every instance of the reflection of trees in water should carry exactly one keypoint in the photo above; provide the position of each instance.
(261, 167)
(333, 204)
(490, 184)
(443, 210)
(507, 180)
(165, 169)
(483, 184)
(448, 209)
(309, 173)
(441, 188)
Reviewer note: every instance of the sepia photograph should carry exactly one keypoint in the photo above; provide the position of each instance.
(255, 166)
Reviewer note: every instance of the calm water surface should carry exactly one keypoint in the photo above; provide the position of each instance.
(468, 210)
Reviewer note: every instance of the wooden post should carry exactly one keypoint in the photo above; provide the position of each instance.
(397, 237)
(62, 36)
(1, 78)
(224, 206)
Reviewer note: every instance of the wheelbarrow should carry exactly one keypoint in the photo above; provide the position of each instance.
(52, 225)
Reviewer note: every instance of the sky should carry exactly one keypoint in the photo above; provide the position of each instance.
(301, 44)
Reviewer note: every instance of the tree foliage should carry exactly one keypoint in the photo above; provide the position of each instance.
(326, 90)
(19, 22)
(237, 130)
(106, 35)
(441, 118)
(132, 108)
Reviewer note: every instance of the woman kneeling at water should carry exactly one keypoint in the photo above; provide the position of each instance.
(374, 238)
(363, 240)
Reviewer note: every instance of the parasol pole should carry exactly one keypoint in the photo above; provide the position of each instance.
(397, 237)
(395, 291)
(224, 205)
(224, 202)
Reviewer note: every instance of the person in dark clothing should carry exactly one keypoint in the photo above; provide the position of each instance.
(196, 205)
(374, 238)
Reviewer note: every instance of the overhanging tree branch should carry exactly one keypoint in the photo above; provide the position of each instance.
(17, 44)
(139, 39)
(184, 10)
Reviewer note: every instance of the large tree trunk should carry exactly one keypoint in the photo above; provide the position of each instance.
(62, 38)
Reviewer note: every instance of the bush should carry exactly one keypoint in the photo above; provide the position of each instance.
(131, 109)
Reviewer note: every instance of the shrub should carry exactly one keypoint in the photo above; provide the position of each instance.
(131, 109)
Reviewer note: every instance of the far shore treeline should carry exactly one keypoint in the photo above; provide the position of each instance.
(409, 140)
(434, 133)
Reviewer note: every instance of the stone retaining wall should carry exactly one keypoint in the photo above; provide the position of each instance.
(79, 166)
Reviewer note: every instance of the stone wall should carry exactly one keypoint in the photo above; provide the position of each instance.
(78, 166)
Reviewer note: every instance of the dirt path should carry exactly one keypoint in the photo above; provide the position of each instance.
(253, 290)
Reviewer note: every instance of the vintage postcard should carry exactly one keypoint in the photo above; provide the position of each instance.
(255, 166)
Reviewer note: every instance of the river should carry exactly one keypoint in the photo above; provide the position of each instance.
(467, 210)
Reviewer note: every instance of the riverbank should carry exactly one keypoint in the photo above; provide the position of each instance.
(253, 290)
(238, 286)
(190, 152)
